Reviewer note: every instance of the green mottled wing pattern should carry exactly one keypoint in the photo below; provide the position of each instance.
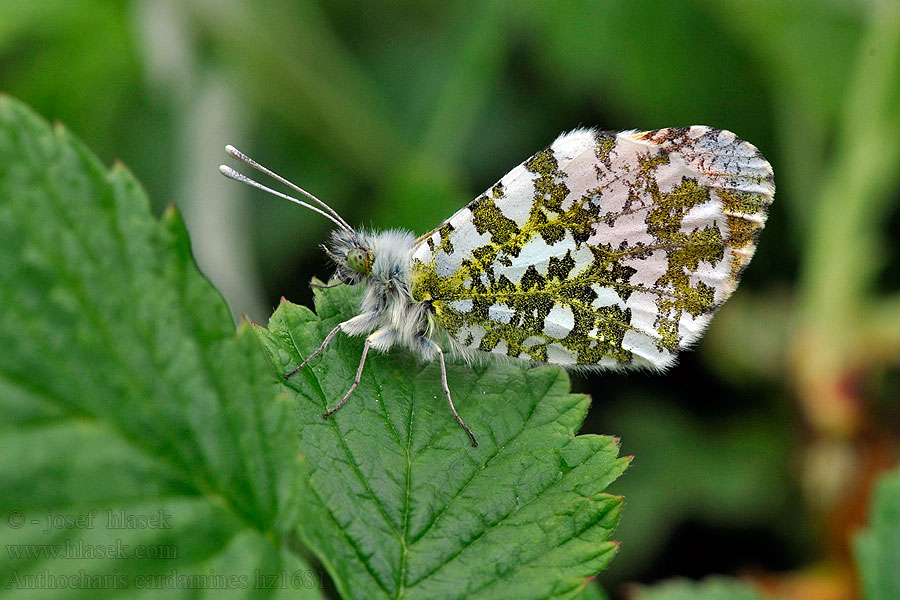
(603, 250)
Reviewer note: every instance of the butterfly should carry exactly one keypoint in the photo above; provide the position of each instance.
(605, 250)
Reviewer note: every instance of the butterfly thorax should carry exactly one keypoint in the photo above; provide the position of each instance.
(381, 262)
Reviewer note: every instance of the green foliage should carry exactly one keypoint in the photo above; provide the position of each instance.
(124, 390)
(399, 504)
(878, 549)
(714, 588)
(739, 481)
(94, 73)
(592, 591)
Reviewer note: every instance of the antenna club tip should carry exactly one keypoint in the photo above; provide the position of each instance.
(235, 153)
(224, 169)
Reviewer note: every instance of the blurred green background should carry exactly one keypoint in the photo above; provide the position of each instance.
(398, 113)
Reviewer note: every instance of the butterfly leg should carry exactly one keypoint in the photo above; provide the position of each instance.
(350, 322)
(446, 387)
(359, 370)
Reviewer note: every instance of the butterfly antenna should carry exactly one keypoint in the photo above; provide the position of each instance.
(235, 153)
(232, 174)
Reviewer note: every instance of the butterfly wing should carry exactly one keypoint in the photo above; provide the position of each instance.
(602, 250)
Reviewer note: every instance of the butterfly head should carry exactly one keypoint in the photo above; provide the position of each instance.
(351, 254)
(360, 261)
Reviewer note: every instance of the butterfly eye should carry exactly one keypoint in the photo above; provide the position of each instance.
(360, 260)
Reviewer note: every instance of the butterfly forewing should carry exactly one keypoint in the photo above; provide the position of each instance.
(603, 250)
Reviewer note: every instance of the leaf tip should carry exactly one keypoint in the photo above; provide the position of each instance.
(173, 221)
(171, 210)
(244, 326)
(60, 131)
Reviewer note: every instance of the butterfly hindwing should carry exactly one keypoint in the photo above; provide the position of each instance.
(602, 250)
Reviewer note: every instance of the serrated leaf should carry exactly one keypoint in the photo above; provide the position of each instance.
(134, 422)
(401, 506)
(712, 588)
(878, 548)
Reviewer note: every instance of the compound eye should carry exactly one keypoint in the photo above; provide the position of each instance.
(360, 261)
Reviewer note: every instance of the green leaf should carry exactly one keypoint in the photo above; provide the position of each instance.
(141, 439)
(401, 506)
(593, 591)
(713, 588)
(878, 548)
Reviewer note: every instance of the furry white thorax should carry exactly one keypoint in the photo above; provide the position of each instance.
(387, 305)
